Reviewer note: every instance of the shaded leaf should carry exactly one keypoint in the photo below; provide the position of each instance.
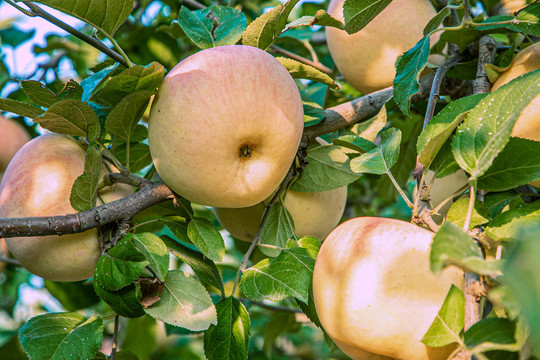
(185, 303)
(154, 250)
(38, 93)
(382, 158)
(124, 117)
(437, 20)
(84, 190)
(71, 117)
(358, 14)
(124, 301)
(278, 228)
(206, 238)
(20, 108)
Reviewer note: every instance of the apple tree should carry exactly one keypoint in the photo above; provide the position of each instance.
(426, 112)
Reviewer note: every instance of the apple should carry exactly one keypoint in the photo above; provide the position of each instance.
(313, 213)
(527, 125)
(225, 126)
(12, 137)
(374, 291)
(443, 188)
(366, 59)
(38, 182)
(509, 7)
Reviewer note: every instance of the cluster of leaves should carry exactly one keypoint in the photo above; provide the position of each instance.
(105, 109)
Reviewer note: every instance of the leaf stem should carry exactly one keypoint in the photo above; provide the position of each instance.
(111, 157)
(37, 11)
(400, 190)
(119, 49)
(472, 199)
(115, 338)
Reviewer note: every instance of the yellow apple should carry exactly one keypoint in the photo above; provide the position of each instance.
(12, 138)
(511, 6)
(527, 125)
(225, 126)
(313, 213)
(366, 59)
(374, 291)
(38, 182)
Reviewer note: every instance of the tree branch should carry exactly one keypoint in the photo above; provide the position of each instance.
(148, 195)
(360, 109)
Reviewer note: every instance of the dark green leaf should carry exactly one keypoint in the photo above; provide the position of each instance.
(154, 250)
(382, 158)
(299, 70)
(206, 238)
(84, 190)
(185, 303)
(229, 338)
(517, 164)
(408, 68)
(490, 331)
(12, 36)
(139, 155)
(58, 336)
(313, 112)
(124, 301)
(38, 93)
(358, 14)
(71, 117)
(106, 15)
(197, 27)
(449, 322)
(20, 108)
(508, 224)
(124, 117)
(487, 128)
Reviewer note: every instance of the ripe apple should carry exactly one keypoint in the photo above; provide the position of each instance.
(38, 182)
(225, 126)
(527, 125)
(313, 213)
(374, 291)
(12, 138)
(366, 59)
(511, 6)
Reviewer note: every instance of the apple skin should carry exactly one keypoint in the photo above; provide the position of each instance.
(38, 182)
(12, 138)
(313, 213)
(527, 125)
(225, 126)
(374, 291)
(366, 58)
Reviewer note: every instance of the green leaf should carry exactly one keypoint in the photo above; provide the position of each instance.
(507, 225)
(449, 322)
(71, 117)
(278, 228)
(528, 20)
(497, 201)
(382, 158)
(439, 129)
(213, 26)
(58, 336)
(154, 250)
(358, 14)
(120, 266)
(521, 276)
(206, 238)
(299, 70)
(124, 301)
(139, 155)
(517, 164)
(322, 18)
(20, 108)
(490, 331)
(124, 117)
(313, 112)
(264, 30)
(229, 338)
(289, 274)
(328, 168)
(185, 303)
(106, 15)
(204, 268)
(444, 163)
(13, 36)
(84, 190)
(355, 143)
(93, 82)
(487, 128)
(437, 20)
(458, 213)
(38, 93)
(451, 246)
(408, 68)
(134, 79)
